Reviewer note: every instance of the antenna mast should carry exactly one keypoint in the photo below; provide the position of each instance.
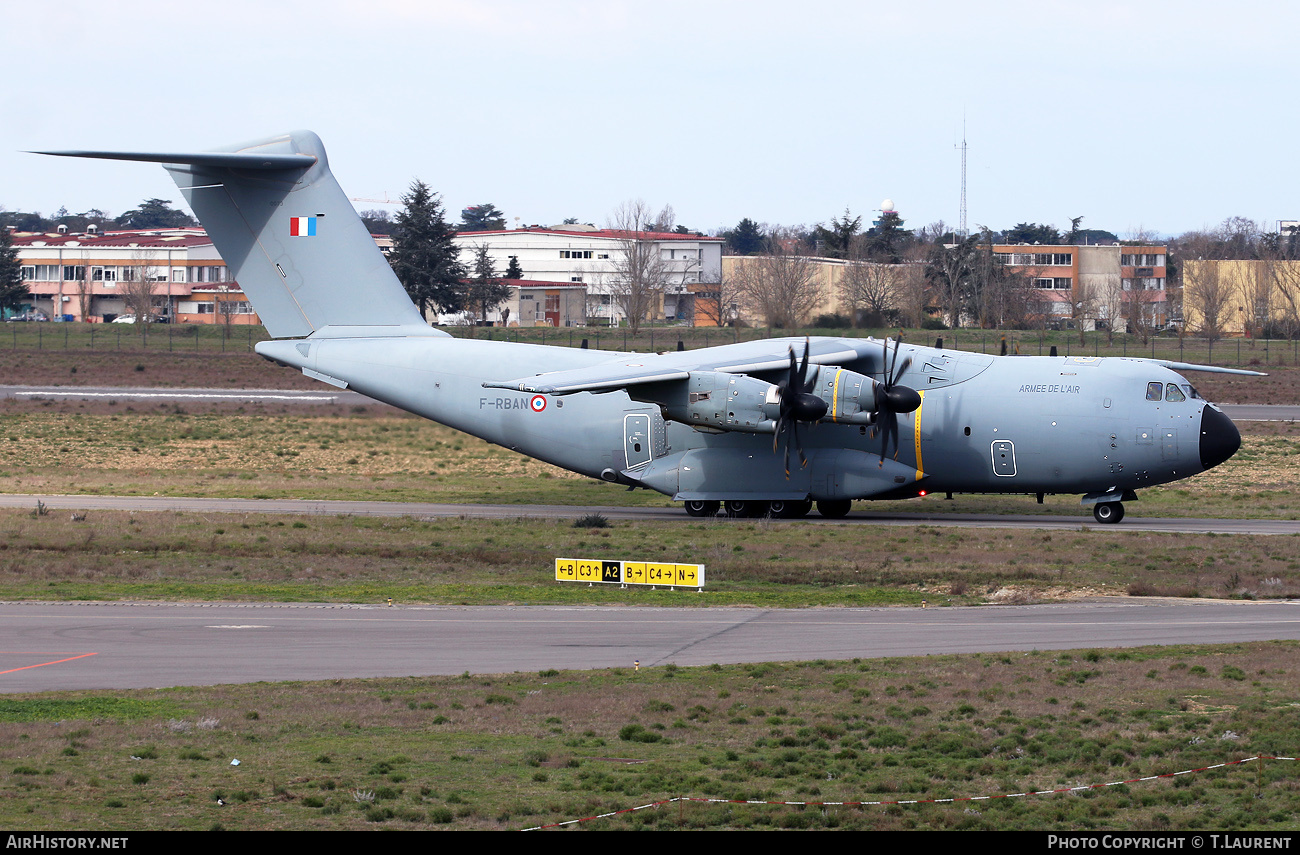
(961, 227)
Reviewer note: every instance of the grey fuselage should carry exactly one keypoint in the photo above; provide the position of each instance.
(986, 424)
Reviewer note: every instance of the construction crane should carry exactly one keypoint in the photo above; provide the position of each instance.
(383, 201)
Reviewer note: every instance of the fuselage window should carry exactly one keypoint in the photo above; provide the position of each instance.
(1173, 393)
(1155, 391)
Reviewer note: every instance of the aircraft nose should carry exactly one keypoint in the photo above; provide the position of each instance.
(1219, 437)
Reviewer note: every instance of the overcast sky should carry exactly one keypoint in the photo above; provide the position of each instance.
(1163, 116)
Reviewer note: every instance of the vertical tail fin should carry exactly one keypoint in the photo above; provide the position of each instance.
(289, 235)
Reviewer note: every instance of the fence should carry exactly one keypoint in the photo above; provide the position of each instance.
(180, 338)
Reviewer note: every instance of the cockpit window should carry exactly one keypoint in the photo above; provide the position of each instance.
(1173, 393)
(1155, 391)
(1191, 392)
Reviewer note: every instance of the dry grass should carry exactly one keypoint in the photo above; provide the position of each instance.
(184, 556)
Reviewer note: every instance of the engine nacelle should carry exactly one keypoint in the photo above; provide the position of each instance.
(850, 397)
(723, 401)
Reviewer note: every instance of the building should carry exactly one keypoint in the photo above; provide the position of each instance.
(88, 276)
(536, 303)
(595, 257)
(1091, 282)
(1240, 297)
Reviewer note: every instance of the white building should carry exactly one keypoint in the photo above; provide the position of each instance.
(85, 276)
(591, 256)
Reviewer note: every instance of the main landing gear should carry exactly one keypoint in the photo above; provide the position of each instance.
(1108, 513)
(779, 509)
(702, 508)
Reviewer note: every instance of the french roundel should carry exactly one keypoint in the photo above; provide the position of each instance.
(538, 403)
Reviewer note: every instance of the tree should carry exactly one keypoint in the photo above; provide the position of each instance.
(378, 222)
(1073, 236)
(887, 238)
(718, 302)
(482, 218)
(13, 291)
(746, 238)
(837, 241)
(138, 287)
(1001, 297)
(486, 290)
(869, 289)
(639, 277)
(226, 311)
(155, 214)
(949, 269)
(424, 257)
(513, 270)
(913, 291)
(85, 284)
(664, 221)
(780, 286)
(1032, 233)
(1206, 290)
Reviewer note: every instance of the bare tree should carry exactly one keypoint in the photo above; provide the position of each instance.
(1111, 303)
(1207, 290)
(138, 289)
(226, 311)
(718, 302)
(912, 294)
(1086, 296)
(780, 286)
(1286, 278)
(85, 289)
(640, 276)
(1259, 288)
(870, 288)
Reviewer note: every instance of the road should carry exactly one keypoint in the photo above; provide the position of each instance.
(432, 510)
(56, 646)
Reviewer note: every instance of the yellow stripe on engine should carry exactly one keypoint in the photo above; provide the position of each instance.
(835, 393)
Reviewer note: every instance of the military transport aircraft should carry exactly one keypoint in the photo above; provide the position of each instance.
(713, 428)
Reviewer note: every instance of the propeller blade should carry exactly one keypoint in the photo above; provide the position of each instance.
(803, 368)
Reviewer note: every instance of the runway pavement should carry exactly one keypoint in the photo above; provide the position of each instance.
(49, 646)
(431, 510)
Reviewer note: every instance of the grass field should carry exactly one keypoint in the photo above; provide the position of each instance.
(380, 454)
(519, 750)
(184, 557)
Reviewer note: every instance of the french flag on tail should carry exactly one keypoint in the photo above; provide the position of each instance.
(302, 226)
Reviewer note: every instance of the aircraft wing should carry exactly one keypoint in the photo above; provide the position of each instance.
(633, 369)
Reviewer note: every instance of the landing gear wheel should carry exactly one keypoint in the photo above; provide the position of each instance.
(1108, 513)
(742, 509)
(789, 510)
(702, 508)
(834, 509)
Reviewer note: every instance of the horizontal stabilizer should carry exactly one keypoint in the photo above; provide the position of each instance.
(228, 160)
(1192, 366)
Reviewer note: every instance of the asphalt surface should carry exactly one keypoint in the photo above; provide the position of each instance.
(431, 510)
(54, 646)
